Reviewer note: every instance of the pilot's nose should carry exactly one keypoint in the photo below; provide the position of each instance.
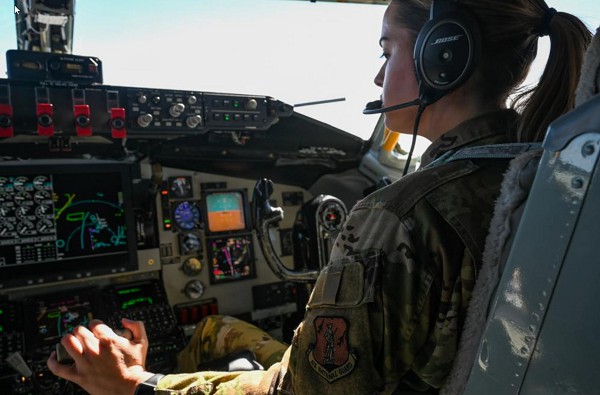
(379, 77)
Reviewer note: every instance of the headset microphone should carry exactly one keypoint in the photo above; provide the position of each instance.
(375, 107)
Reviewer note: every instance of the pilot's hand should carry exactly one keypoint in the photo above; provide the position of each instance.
(104, 362)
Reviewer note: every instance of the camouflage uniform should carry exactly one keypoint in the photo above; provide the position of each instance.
(385, 315)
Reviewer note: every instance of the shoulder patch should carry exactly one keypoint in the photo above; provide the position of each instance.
(330, 355)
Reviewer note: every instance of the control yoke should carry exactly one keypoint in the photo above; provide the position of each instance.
(264, 216)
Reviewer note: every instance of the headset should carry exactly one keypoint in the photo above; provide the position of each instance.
(446, 51)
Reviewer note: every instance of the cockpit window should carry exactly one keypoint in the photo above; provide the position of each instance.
(295, 51)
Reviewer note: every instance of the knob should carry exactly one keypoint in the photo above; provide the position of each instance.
(5, 121)
(142, 99)
(251, 104)
(156, 100)
(177, 109)
(192, 99)
(193, 121)
(194, 289)
(192, 266)
(145, 120)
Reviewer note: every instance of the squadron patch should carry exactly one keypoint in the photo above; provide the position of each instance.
(330, 355)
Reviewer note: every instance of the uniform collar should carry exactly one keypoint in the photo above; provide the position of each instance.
(483, 129)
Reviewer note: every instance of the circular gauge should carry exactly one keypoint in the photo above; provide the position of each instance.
(3, 183)
(192, 266)
(22, 212)
(333, 215)
(44, 226)
(25, 228)
(20, 183)
(43, 211)
(41, 197)
(7, 229)
(5, 211)
(186, 215)
(5, 198)
(181, 187)
(41, 182)
(23, 197)
(190, 244)
(194, 289)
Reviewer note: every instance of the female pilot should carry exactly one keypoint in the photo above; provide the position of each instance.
(386, 314)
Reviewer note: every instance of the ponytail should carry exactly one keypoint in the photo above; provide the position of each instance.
(555, 92)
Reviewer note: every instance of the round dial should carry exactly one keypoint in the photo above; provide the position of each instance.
(41, 183)
(20, 183)
(192, 266)
(25, 228)
(43, 211)
(44, 226)
(7, 229)
(181, 187)
(3, 183)
(42, 197)
(23, 197)
(194, 289)
(190, 244)
(186, 215)
(23, 212)
(332, 216)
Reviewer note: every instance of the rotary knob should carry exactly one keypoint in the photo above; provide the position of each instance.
(193, 121)
(251, 104)
(194, 289)
(177, 109)
(145, 120)
(192, 99)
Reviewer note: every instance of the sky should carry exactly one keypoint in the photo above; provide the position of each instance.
(294, 51)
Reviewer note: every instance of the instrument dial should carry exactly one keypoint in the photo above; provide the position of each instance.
(42, 197)
(20, 183)
(333, 216)
(44, 226)
(41, 183)
(181, 187)
(25, 228)
(23, 198)
(6, 229)
(186, 215)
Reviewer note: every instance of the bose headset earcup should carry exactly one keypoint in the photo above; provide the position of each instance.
(446, 51)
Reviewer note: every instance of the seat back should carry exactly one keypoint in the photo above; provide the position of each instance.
(532, 323)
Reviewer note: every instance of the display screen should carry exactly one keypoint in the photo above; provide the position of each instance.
(140, 295)
(225, 211)
(56, 318)
(231, 258)
(77, 218)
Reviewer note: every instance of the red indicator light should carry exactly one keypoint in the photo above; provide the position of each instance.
(45, 118)
(82, 120)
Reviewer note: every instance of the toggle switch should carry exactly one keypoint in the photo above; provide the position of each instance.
(6, 120)
(82, 120)
(117, 123)
(45, 119)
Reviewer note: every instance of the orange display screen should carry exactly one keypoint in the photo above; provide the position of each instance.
(225, 211)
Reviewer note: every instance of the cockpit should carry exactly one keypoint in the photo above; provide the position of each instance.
(196, 170)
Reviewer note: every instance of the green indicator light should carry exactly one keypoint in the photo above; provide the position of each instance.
(1, 311)
(227, 117)
(236, 103)
(167, 221)
(1, 328)
(128, 291)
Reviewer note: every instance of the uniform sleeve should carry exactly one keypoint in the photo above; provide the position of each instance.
(383, 314)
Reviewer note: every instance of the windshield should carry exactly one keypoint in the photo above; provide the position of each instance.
(294, 51)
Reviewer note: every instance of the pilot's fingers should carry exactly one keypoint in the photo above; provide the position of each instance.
(87, 340)
(137, 328)
(102, 332)
(73, 346)
(65, 371)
